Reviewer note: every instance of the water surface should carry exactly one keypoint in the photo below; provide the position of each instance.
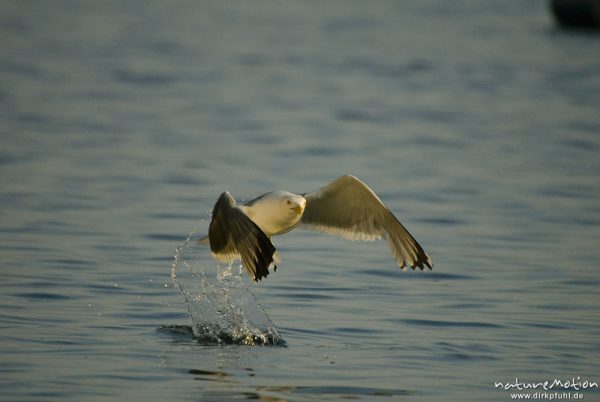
(122, 123)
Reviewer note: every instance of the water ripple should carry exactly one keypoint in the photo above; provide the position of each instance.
(451, 324)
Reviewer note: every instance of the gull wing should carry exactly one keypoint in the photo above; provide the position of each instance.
(232, 235)
(349, 208)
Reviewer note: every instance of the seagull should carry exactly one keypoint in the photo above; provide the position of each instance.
(346, 207)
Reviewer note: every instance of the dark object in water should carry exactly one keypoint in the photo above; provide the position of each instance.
(577, 13)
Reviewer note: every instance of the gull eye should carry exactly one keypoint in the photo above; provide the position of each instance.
(288, 202)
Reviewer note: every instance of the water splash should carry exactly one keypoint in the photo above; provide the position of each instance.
(222, 308)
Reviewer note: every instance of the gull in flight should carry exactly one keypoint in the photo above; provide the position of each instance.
(346, 207)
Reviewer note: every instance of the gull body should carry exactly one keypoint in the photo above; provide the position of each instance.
(346, 207)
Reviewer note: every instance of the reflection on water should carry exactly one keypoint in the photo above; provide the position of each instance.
(222, 308)
(284, 392)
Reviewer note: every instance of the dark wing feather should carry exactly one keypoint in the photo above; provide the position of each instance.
(349, 208)
(233, 235)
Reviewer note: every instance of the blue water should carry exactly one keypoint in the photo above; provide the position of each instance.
(121, 123)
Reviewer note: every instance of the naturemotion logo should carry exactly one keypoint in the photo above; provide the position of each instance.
(556, 384)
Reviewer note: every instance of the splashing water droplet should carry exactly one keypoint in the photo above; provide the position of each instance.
(222, 308)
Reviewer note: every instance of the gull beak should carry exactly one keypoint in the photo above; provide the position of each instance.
(298, 209)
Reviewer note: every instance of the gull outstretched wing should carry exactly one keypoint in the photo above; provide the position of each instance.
(232, 235)
(349, 208)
